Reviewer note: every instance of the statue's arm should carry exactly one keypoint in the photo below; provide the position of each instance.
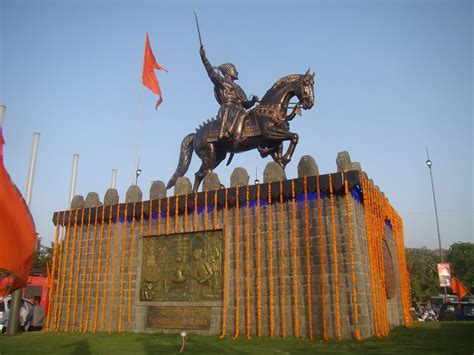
(249, 103)
(215, 78)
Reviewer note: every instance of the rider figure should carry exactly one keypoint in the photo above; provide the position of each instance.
(230, 96)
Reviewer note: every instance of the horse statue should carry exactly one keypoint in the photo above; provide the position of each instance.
(265, 128)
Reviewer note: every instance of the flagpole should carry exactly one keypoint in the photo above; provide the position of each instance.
(72, 187)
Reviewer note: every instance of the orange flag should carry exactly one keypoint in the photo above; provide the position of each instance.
(17, 229)
(458, 288)
(148, 76)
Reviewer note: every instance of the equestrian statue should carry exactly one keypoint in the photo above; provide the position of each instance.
(264, 127)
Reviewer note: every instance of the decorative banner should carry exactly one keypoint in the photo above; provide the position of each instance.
(444, 273)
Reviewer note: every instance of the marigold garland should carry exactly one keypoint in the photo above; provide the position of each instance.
(84, 271)
(58, 286)
(130, 264)
(270, 262)
(107, 263)
(53, 266)
(78, 265)
(158, 220)
(205, 211)
(335, 259)
(282, 258)
(64, 267)
(122, 265)
(308, 257)
(167, 231)
(176, 214)
(114, 265)
(216, 225)
(322, 261)
(140, 231)
(150, 217)
(259, 269)
(247, 256)
(71, 266)
(352, 261)
(224, 276)
(185, 215)
(195, 212)
(94, 237)
(97, 281)
(295, 262)
(237, 262)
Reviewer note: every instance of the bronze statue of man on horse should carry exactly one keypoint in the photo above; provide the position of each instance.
(235, 130)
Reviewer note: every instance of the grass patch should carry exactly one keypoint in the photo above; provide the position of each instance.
(425, 338)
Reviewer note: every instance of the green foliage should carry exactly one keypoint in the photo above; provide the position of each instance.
(461, 257)
(422, 267)
(41, 257)
(421, 337)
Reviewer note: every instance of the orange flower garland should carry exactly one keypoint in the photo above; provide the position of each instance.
(205, 211)
(158, 220)
(335, 261)
(114, 268)
(150, 217)
(308, 258)
(322, 261)
(352, 258)
(295, 262)
(176, 214)
(78, 265)
(140, 231)
(282, 258)
(124, 244)
(53, 266)
(185, 215)
(247, 255)
(97, 281)
(167, 215)
(224, 276)
(237, 262)
(84, 272)
(71, 266)
(259, 270)
(94, 237)
(195, 226)
(58, 288)
(107, 263)
(130, 264)
(215, 210)
(270, 261)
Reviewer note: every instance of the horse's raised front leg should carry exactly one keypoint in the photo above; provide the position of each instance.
(279, 133)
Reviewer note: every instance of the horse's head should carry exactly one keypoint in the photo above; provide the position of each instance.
(304, 90)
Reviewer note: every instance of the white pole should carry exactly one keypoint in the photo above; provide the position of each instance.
(72, 187)
(114, 179)
(2, 112)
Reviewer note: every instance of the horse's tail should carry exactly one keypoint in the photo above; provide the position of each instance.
(185, 155)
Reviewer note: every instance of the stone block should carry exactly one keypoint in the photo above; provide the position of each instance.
(307, 166)
(343, 162)
(183, 186)
(273, 172)
(157, 190)
(92, 200)
(77, 202)
(134, 194)
(211, 182)
(239, 177)
(111, 197)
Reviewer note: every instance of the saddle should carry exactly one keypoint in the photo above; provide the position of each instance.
(250, 128)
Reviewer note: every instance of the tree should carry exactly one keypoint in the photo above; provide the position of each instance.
(41, 257)
(422, 264)
(461, 257)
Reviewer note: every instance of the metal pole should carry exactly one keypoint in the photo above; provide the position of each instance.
(114, 178)
(14, 317)
(2, 112)
(72, 188)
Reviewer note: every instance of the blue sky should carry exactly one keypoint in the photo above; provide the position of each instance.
(391, 78)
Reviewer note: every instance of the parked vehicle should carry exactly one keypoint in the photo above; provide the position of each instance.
(26, 308)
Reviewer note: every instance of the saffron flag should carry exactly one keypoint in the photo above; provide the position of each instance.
(17, 230)
(148, 75)
(459, 288)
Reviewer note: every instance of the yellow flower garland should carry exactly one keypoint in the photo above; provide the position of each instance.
(158, 220)
(259, 269)
(282, 258)
(308, 257)
(237, 263)
(270, 261)
(224, 296)
(195, 212)
(185, 215)
(71, 267)
(150, 217)
(78, 265)
(130, 264)
(107, 263)
(140, 231)
(216, 225)
(84, 271)
(247, 255)
(335, 259)
(176, 214)
(58, 288)
(167, 215)
(322, 259)
(97, 281)
(91, 275)
(205, 211)
(295, 262)
(114, 265)
(124, 244)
